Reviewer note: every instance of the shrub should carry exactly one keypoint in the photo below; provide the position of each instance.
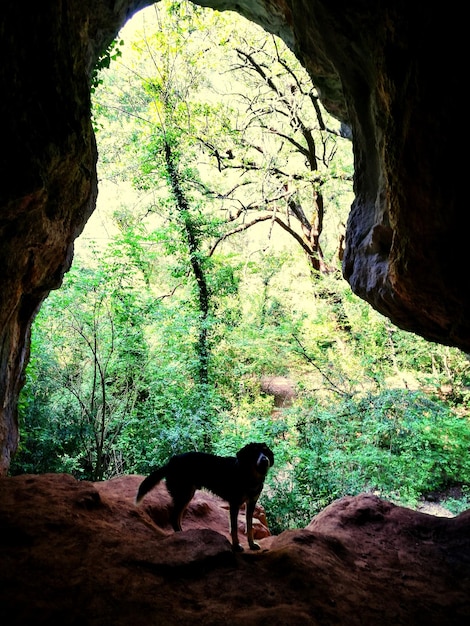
(398, 444)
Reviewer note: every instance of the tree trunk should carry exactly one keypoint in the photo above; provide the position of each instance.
(196, 264)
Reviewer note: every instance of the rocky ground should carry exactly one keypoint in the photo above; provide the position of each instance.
(76, 553)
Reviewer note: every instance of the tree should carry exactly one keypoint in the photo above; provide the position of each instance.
(168, 152)
(284, 137)
(93, 331)
(164, 147)
(196, 261)
(250, 118)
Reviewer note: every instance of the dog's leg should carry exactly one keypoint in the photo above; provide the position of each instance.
(175, 518)
(234, 508)
(181, 499)
(250, 509)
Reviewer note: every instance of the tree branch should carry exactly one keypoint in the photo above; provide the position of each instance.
(310, 360)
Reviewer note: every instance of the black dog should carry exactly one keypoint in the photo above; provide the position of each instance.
(235, 479)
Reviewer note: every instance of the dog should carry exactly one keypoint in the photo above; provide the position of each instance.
(236, 479)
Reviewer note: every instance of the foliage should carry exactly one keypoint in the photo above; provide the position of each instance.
(94, 366)
(112, 52)
(457, 505)
(397, 444)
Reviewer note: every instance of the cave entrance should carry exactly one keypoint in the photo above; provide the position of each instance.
(224, 187)
(216, 267)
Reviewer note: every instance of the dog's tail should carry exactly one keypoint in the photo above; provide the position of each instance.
(149, 483)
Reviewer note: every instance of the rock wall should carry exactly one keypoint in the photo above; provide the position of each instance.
(74, 552)
(48, 165)
(390, 69)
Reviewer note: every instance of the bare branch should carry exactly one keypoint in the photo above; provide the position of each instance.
(172, 292)
(307, 357)
(238, 229)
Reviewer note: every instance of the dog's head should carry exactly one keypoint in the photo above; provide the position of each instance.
(256, 456)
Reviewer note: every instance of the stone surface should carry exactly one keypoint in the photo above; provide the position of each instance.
(392, 71)
(82, 553)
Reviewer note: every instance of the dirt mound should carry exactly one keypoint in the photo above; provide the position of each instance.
(82, 553)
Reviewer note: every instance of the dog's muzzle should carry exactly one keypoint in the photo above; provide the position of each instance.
(262, 463)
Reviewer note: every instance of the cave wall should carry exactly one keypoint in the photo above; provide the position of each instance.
(47, 162)
(390, 69)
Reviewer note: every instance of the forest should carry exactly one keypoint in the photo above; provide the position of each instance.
(210, 274)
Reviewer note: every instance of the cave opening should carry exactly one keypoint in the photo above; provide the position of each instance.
(145, 220)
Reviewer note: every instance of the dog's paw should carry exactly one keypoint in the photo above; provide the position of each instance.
(236, 547)
(254, 546)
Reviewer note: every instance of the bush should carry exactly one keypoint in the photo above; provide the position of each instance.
(398, 444)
